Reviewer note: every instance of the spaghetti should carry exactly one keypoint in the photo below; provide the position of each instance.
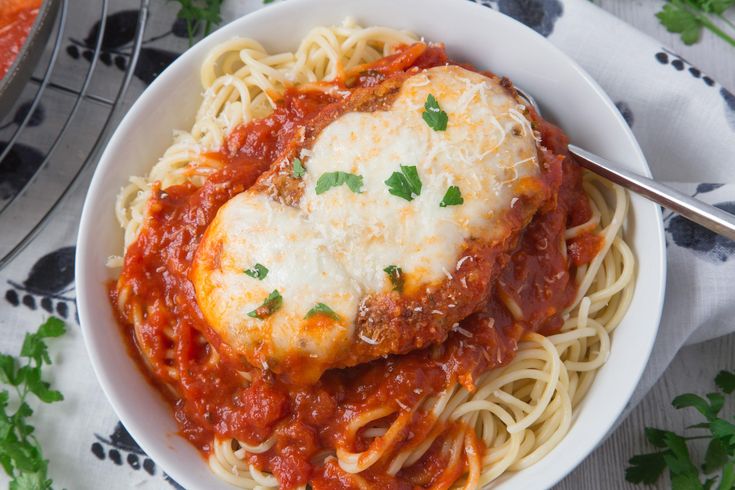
(495, 397)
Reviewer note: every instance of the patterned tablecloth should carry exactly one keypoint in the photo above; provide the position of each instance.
(684, 121)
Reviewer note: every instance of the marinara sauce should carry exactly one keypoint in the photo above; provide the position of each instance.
(16, 20)
(202, 378)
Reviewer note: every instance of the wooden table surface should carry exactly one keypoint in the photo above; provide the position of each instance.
(695, 367)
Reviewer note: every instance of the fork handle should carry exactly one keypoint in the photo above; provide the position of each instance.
(710, 217)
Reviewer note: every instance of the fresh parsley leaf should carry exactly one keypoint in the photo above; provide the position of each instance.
(196, 12)
(298, 168)
(716, 7)
(395, 274)
(728, 477)
(645, 468)
(336, 179)
(35, 348)
(689, 17)
(677, 457)
(270, 305)
(434, 117)
(7, 369)
(674, 454)
(53, 327)
(716, 402)
(655, 436)
(322, 309)
(6, 463)
(696, 402)
(677, 18)
(24, 457)
(715, 457)
(31, 481)
(41, 388)
(722, 429)
(685, 481)
(411, 175)
(21, 455)
(453, 197)
(266, 2)
(258, 271)
(725, 380)
(405, 184)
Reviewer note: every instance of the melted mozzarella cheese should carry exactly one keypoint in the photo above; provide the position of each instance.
(333, 248)
(478, 152)
(252, 229)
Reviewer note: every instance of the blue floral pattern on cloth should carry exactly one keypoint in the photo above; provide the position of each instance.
(704, 243)
(539, 15)
(626, 112)
(666, 57)
(729, 99)
(48, 286)
(121, 444)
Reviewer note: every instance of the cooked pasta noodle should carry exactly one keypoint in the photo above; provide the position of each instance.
(518, 412)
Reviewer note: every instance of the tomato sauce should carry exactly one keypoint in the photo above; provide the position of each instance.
(16, 20)
(202, 376)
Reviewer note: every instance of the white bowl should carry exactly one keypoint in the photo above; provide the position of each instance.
(472, 33)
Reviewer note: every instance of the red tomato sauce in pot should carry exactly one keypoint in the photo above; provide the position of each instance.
(16, 20)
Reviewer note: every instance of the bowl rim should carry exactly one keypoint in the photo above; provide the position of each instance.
(128, 414)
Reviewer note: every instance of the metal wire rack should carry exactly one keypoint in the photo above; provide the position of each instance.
(63, 151)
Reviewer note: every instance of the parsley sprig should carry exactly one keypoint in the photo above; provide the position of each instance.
(258, 271)
(453, 197)
(194, 12)
(673, 452)
(270, 305)
(298, 168)
(433, 116)
(322, 309)
(395, 274)
(689, 17)
(406, 183)
(336, 179)
(21, 455)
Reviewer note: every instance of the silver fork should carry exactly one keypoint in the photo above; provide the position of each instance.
(710, 217)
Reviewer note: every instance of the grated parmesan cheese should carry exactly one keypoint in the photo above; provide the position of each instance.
(462, 260)
(368, 340)
(461, 330)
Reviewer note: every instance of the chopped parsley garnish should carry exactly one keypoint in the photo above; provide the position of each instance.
(672, 451)
(21, 453)
(336, 179)
(395, 274)
(198, 13)
(298, 168)
(405, 184)
(434, 117)
(322, 309)
(271, 304)
(453, 197)
(258, 271)
(689, 17)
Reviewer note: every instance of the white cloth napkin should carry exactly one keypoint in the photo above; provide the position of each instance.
(684, 121)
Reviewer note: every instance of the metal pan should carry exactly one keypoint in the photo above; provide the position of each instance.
(21, 70)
